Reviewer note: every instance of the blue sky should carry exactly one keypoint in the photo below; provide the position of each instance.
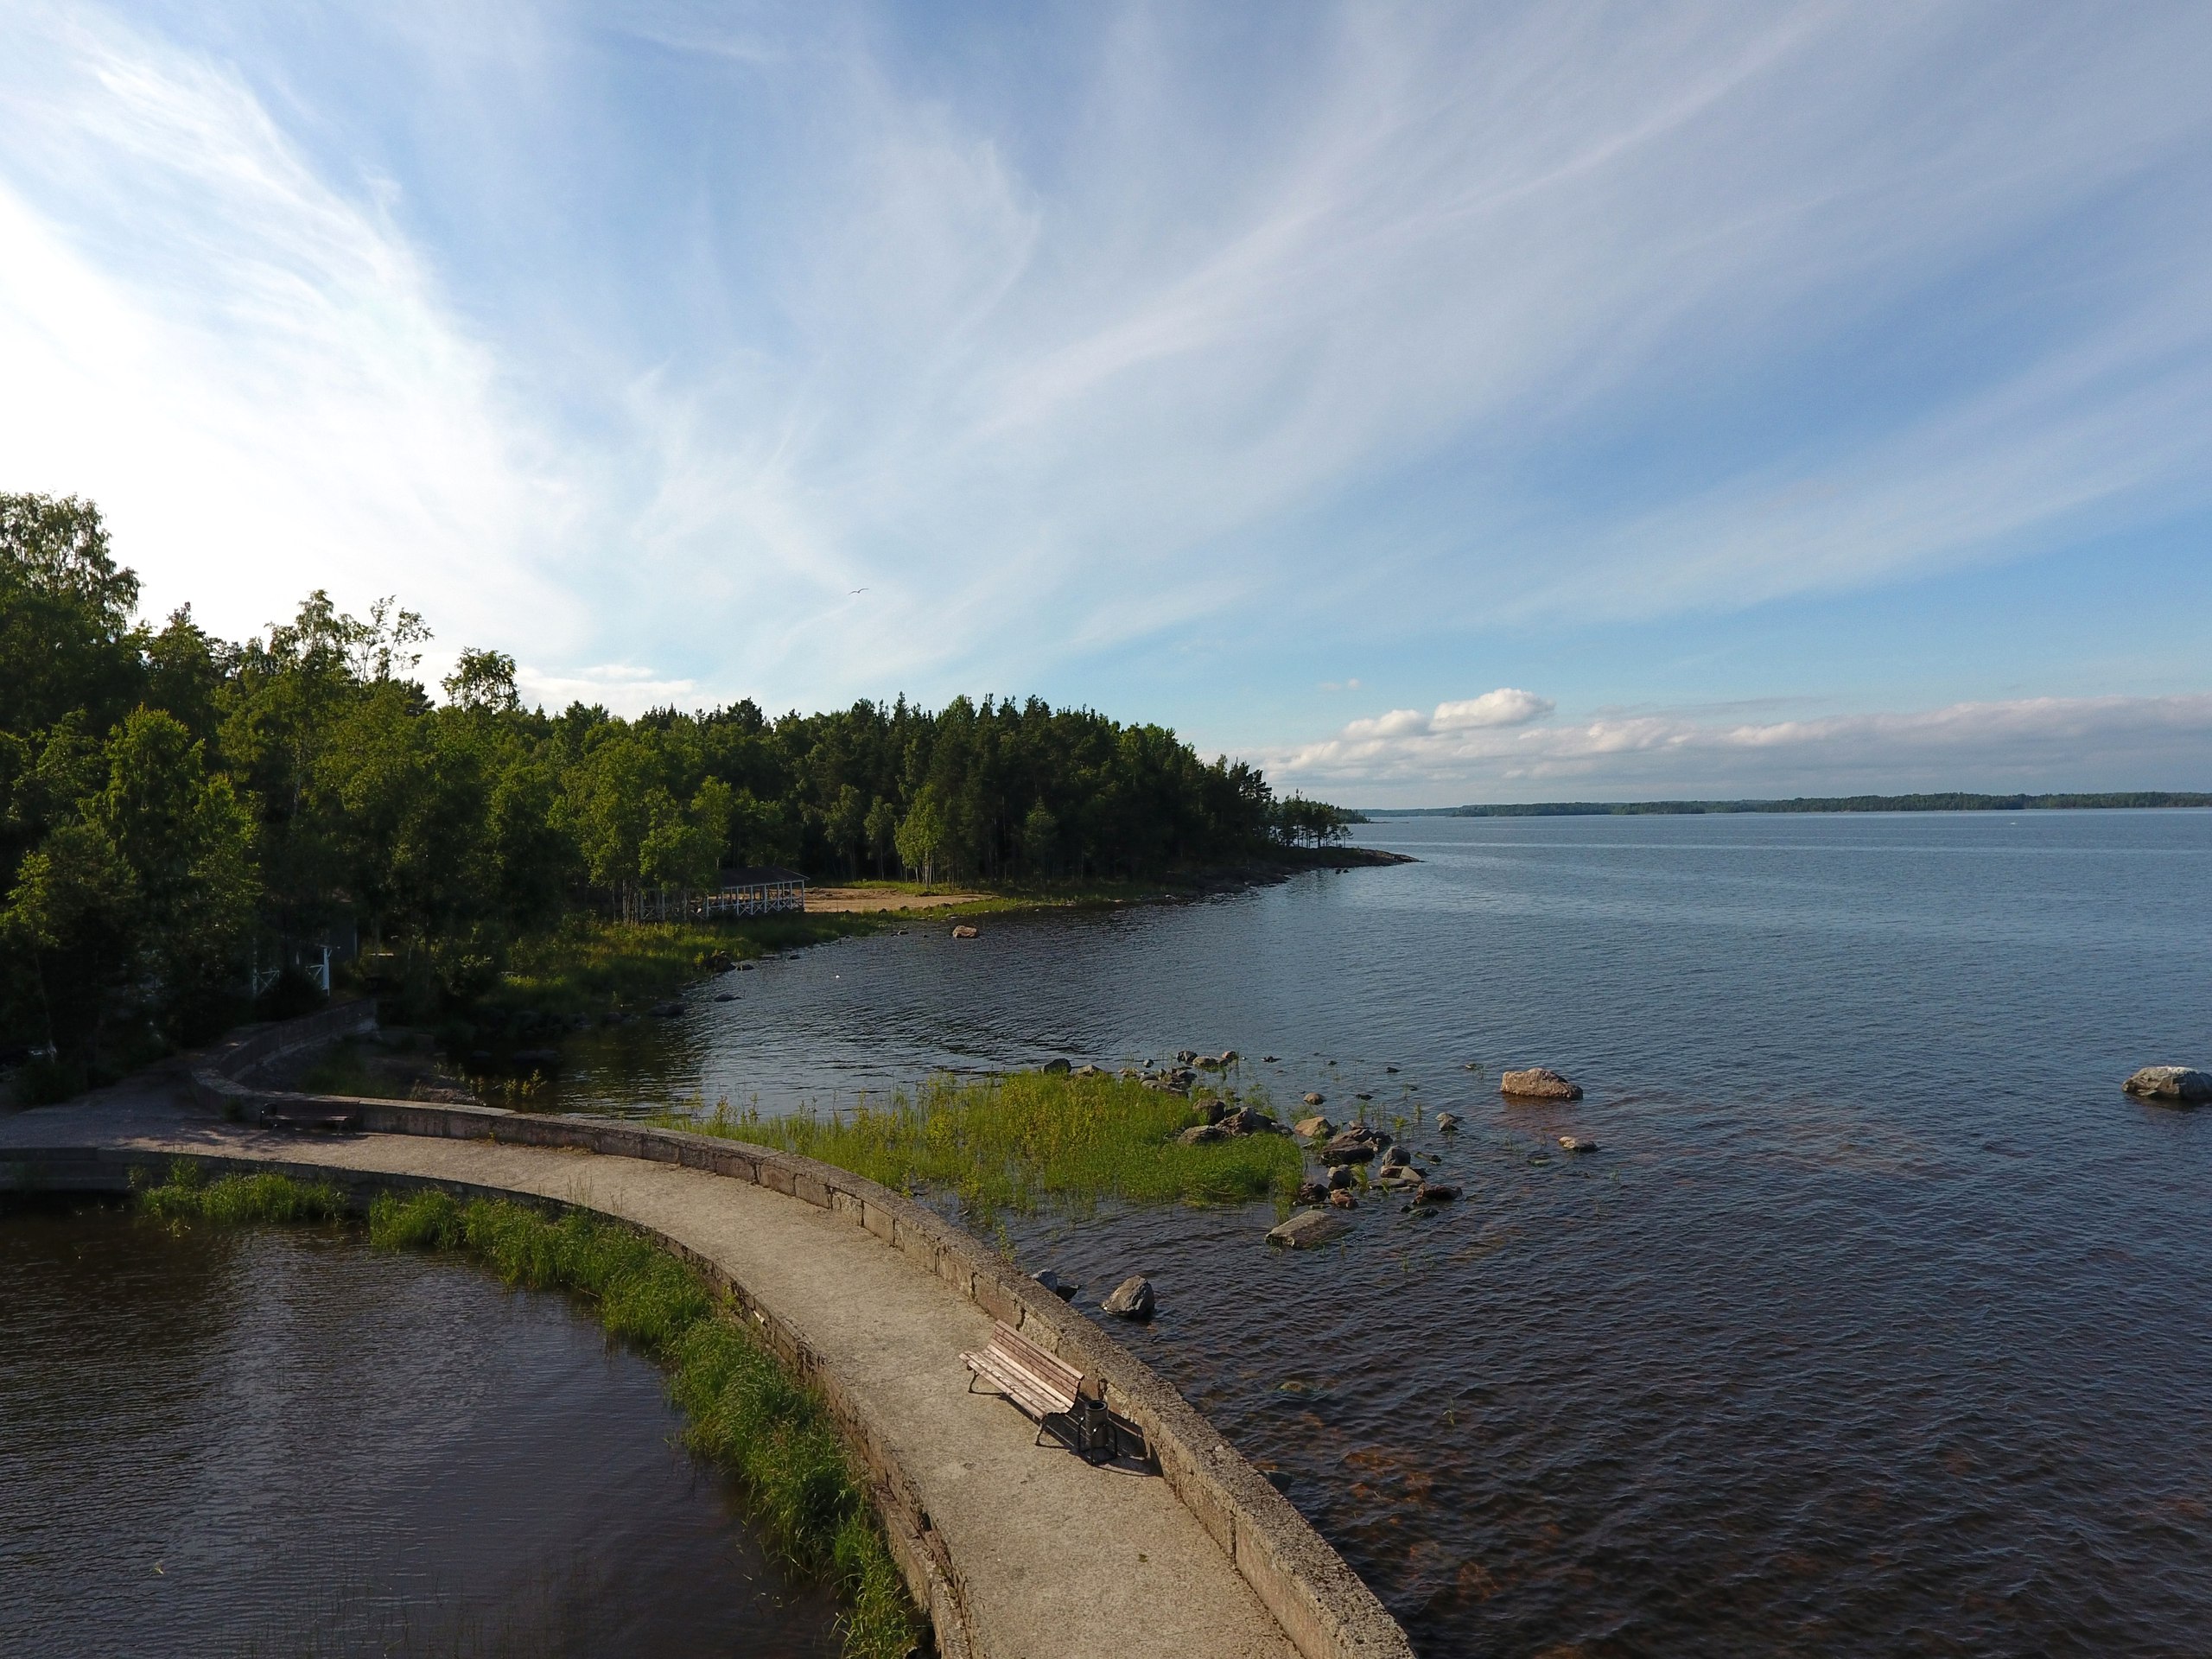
(1431, 404)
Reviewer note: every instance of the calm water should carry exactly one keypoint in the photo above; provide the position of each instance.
(284, 1443)
(1878, 1327)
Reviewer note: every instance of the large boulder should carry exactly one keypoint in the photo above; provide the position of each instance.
(2173, 1083)
(1132, 1299)
(1538, 1082)
(1355, 1145)
(1307, 1229)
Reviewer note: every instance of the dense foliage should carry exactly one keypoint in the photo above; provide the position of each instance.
(175, 807)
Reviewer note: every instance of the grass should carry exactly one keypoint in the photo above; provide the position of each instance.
(241, 1200)
(1013, 1142)
(588, 964)
(747, 1413)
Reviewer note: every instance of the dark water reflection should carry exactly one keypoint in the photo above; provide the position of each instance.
(1878, 1326)
(283, 1442)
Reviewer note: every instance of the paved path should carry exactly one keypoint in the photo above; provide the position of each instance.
(1059, 1560)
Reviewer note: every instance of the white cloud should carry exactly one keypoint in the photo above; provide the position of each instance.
(1504, 707)
(2028, 743)
(619, 688)
(1143, 336)
(252, 372)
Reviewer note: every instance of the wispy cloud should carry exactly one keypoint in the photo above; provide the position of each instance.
(1405, 758)
(649, 342)
(252, 370)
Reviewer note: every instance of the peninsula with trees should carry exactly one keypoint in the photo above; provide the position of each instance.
(178, 809)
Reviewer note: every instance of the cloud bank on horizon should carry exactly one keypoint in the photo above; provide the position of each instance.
(1512, 752)
(1213, 367)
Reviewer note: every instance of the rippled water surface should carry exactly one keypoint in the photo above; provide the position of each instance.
(281, 1442)
(1878, 1324)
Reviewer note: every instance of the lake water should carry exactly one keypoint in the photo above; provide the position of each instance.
(1878, 1324)
(281, 1442)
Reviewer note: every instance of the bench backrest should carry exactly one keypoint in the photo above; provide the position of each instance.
(1025, 1354)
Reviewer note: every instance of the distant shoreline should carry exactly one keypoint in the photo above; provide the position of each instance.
(1953, 803)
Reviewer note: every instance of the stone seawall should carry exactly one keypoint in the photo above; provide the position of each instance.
(1321, 1604)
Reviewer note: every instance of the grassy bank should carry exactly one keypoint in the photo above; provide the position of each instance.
(1013, 1142)
(747, 1413)
(241, 1200)
(589, 965)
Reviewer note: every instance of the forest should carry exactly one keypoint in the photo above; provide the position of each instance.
(176, 808)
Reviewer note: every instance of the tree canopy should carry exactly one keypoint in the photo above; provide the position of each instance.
(173, 806)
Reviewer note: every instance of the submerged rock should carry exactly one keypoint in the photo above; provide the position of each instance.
(1063, 1288)
(1307, 1229)
(1575, 1143)
(1313, 1098)
(1538, 1082)
(963, 930)
(1436, 1193)
(2176, 1083)
(1447, 1122)
(1132, 1299)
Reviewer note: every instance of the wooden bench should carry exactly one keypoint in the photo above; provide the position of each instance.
(1040, 1384)
(1050, 1391)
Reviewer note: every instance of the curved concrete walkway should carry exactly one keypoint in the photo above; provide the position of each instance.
(1055, 1560)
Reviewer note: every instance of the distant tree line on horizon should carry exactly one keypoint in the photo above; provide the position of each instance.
(173, 806)
(1932, 802)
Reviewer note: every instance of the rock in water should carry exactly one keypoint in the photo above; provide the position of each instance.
(1355, 1145)
(1058, 1067)
(1341, 1197)
(1436, 1193)
(2178, 1083)
(1315, 1127)
(1341, 1178)
(1311, 1193)
(1132, 1299)
(1574, 1143)
(1314, 1098)
(1396, 1157)
(1447, 1122)
(1538, 1082)
(1063, 1288)
(964, 931)
(1307, 1229)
